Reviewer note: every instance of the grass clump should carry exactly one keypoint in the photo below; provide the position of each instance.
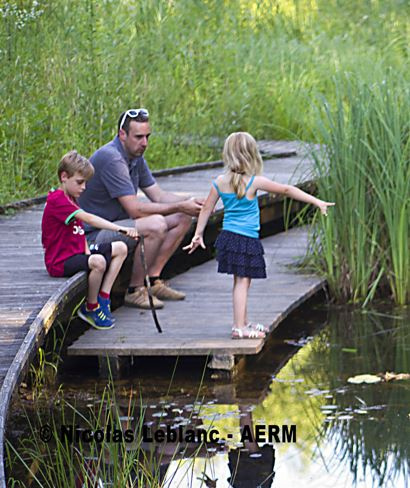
(364, 246)
(71, 446)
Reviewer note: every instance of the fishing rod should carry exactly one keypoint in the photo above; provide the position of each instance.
(140, 240)
(148, 284)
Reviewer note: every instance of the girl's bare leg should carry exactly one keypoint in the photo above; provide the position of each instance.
(246, 306)
(240, 300)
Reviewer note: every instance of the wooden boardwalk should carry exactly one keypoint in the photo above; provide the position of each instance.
(200, 324)
(30, 300)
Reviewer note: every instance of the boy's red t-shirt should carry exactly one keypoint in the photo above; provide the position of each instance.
(62, 234)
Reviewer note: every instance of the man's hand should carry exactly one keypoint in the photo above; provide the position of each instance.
(192, 206)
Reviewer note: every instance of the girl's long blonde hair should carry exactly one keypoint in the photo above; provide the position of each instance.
(241, 158)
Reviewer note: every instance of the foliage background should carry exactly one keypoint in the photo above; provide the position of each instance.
(204, 69)
(334, 72)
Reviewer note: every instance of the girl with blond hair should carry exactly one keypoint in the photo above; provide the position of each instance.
(239, 250)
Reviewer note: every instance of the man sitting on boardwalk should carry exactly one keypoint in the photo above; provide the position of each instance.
(120, 169)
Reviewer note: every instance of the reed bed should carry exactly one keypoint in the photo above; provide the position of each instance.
(60, 462)
(204, 69)
(101, 445)
(364, 245)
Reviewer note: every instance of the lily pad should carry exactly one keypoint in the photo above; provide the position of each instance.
(364, 378)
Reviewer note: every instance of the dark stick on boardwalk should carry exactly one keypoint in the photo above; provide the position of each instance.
(30, 300)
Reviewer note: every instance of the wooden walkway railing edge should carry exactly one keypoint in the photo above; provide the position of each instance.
(38, 329)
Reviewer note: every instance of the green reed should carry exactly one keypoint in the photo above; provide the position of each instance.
(364, 168)
(120, 457)
(204, 69)
(58, 462)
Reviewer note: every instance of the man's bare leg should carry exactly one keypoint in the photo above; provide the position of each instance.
(162, 236)
(177, 226)
(154, 229)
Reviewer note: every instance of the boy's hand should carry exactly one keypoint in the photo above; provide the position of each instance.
(195, 243)
(322, 206)
(130, 232)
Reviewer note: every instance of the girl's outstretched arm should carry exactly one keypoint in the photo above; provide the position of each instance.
(263, 183)
(203, 218)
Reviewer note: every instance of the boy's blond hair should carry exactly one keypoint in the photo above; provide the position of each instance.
(73, 162)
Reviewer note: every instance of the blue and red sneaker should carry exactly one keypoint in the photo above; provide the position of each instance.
(105, 304)
(96, 318)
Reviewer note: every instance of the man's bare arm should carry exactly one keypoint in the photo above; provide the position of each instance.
(156, 194)
(136, 209)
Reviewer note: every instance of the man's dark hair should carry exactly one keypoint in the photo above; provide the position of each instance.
(126, 124)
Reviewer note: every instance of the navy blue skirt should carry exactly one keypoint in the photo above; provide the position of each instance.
(240, 255)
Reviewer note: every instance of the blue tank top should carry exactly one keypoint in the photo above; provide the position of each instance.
(241, 215)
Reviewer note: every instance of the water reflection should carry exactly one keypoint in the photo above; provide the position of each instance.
(220, 464)
(347, 435)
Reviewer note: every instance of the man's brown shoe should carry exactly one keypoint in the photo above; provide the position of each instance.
(139, 299)
(164, 292)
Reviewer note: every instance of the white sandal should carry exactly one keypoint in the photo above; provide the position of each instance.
(246, 333)
(258, 327)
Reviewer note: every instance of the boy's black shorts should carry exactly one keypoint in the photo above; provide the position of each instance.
(79, 262)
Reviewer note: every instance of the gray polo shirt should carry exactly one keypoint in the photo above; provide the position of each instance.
(115, 176)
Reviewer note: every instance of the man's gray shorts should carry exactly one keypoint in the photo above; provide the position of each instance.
(100, 236)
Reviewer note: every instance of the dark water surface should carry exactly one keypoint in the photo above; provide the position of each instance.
(347, 435)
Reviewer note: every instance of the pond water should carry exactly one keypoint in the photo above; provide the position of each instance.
(345, 434)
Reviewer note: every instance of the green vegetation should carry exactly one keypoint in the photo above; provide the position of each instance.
(364, 246)
(69, 456)
(319, 70)
(69, 67)
(94, 444)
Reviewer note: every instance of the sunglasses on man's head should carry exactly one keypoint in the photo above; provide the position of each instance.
(133, 113)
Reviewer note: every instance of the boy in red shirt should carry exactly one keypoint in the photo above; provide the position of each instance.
(65, 245)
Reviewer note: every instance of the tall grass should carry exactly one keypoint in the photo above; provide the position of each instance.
(60, 462)
(69, 67)
(364, 245)
(106, 446)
